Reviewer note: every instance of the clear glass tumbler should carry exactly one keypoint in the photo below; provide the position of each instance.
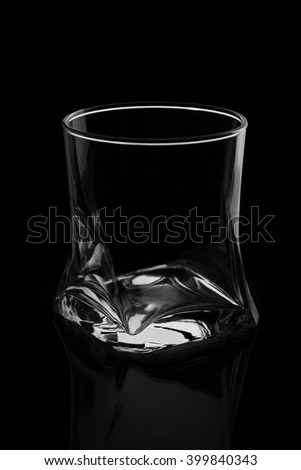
(155, 278)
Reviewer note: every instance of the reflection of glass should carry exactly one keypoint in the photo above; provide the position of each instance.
(156, 269)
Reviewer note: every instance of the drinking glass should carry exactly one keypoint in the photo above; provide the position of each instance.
(154, 306)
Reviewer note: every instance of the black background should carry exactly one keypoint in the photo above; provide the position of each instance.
(266, 89)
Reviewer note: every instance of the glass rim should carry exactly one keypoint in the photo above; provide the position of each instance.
(115, 107)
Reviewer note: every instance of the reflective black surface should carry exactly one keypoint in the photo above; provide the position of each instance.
(266, 90)
(185, 397)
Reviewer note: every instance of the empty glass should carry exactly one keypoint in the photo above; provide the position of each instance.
(156, 272)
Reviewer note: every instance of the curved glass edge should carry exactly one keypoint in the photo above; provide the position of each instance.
(153, 141)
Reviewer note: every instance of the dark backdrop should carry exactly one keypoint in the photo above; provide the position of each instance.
(265, 88)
